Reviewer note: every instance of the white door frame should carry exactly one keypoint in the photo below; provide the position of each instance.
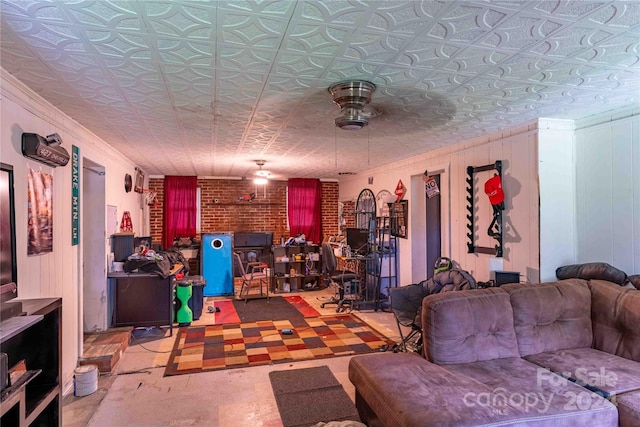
(92, 302)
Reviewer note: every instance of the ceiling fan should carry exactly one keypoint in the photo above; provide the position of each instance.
(402, 108)
(353, 97)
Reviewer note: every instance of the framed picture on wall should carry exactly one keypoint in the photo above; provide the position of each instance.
(39, 212)
(139, 181)
(399, 215)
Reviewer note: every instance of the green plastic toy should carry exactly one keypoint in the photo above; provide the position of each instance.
(183, 294)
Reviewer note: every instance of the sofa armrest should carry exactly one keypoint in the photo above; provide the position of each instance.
(615, 314)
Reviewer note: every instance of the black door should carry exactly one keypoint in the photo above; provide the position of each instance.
(434, 228)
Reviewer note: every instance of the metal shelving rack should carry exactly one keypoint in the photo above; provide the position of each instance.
(384, 252)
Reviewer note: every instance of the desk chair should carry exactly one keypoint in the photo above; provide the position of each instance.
(338, 277)
(255, 276)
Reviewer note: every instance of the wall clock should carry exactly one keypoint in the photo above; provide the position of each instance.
(127, 183)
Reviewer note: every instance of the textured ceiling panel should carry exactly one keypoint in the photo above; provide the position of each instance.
(208, 87)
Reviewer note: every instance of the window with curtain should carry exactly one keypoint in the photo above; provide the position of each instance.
(305, 208)
(179, 211)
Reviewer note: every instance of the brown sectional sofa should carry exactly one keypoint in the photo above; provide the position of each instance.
(562, 353)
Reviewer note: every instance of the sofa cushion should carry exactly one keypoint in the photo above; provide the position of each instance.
(601, 372)
(401, 389)
(629, 409)
(517, 382)
(615, 312)
(551, 316)
(404, 389)
(467, 326)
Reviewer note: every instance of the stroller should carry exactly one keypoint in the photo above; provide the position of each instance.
(406, 304)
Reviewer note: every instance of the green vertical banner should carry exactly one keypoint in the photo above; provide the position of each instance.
(75, 195)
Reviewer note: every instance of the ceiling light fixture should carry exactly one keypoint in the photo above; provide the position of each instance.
(260, 181)
(261, 175)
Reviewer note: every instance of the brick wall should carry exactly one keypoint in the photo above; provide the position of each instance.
(329, 209)
(348, 213)
(155, 212)
(262, 214)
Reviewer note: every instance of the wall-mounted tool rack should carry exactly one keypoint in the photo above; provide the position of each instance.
(495, 229)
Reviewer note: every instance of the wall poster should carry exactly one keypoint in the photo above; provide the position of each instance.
(39, 212)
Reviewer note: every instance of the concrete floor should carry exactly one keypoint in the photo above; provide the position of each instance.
(137, 394)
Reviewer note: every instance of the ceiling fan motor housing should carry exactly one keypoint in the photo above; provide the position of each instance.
(352, 96)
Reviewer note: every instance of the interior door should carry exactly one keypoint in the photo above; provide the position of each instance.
(94, 299)
(433, 229)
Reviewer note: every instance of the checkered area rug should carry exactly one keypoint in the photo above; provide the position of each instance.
(240, 345)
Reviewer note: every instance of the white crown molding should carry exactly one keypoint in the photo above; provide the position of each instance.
(72, 131)
(610, 116)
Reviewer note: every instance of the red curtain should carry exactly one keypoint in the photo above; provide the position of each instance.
(305, 208)
(179, 214)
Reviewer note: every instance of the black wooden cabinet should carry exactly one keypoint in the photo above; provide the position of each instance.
(141, 299)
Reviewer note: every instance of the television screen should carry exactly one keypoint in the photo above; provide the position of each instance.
(358, 240)
(8, 261)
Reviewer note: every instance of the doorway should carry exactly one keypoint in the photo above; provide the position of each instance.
(430, 232)
(433, 221)
(93, 292)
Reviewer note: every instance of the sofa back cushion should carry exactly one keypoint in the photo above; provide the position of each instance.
(468, 326)
(551, 316)
(615, 312)
(592, 270)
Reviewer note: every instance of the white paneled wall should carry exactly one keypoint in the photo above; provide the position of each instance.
(57, 274)
(572, 196)
(517, 149)
(556, 169)
(608, 193)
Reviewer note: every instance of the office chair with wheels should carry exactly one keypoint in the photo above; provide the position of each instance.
(341, 278)
(255, 276)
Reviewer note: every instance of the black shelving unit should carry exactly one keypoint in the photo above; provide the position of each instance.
(384, 262)
(35, 399)
(305, 264)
